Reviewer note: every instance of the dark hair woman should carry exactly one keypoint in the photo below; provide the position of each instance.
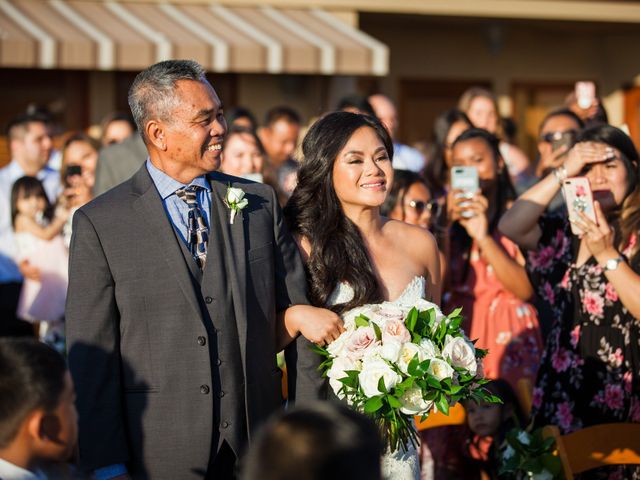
(335, 213)
(487, 276)
(589, 370)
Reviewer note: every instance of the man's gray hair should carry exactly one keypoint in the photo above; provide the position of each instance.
(152, 94)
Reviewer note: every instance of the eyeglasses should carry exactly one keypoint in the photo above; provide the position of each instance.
(419, 206)
(551, 137)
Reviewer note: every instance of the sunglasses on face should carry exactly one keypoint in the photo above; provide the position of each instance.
(419, 206)
(551, 137)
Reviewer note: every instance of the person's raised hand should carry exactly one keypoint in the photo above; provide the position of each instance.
(477, 224)
(550, 160)
(598, 237)
(585, 153)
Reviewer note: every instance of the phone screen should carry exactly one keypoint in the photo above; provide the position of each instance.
(585, 94)
(465, 178)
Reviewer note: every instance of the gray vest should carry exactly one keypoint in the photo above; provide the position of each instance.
(216, 305)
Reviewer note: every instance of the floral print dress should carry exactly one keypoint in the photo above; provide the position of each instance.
(590, 368)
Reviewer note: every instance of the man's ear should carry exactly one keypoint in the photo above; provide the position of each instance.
(34, 424)
(155, 132)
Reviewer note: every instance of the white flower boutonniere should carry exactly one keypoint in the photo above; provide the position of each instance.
(234, 199)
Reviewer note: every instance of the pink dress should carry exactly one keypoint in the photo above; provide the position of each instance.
(502, 323)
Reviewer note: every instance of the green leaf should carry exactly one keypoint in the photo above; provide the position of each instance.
(413, 366)
(381, 386)
(455, 313)
(362, 321)
(393, 401)
(412, 319)
(443, 405)
(373, 404)
(377, 330)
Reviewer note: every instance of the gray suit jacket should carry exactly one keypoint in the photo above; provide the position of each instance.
(118, 162)
(135, 322)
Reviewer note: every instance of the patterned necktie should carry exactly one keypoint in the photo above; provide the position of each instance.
(198, 231)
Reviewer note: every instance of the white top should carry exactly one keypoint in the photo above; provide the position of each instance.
(9, 471)
(8, 175)
(407, 158)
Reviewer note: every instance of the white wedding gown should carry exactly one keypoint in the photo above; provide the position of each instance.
(398, 465)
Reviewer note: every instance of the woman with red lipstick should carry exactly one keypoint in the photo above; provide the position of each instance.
(590, 370)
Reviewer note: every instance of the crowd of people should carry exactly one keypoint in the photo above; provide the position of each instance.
(175, 311)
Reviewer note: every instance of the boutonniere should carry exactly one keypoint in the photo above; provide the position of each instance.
(234, 199)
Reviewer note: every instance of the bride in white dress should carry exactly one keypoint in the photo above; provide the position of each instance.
(353, 255)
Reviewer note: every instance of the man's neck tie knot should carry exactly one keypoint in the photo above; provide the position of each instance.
(198, 235)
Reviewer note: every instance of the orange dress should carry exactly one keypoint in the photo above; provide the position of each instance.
(500, 321)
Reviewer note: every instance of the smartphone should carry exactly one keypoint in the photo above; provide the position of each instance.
(73, 170)
(465, 179)
(564, 139)
(585, 94)
(578, 197)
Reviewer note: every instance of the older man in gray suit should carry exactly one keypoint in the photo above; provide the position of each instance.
(176, 307)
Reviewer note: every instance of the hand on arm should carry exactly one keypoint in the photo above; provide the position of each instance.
(318, 325)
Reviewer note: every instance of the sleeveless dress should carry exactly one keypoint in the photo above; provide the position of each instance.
(397, 465)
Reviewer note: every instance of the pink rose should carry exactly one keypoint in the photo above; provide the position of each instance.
(575, 336)
(362, 340)
(627, 379)
(616, 358)
(395, 331)
(614, 397)
(536, 401)
(541, 259)
(593, 303)
(561, 360)
(564, 415)
(610, 293)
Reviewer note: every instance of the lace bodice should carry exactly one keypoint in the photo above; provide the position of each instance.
(415, 290)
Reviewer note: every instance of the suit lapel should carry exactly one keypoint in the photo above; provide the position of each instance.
(149, 206)
(233, 237)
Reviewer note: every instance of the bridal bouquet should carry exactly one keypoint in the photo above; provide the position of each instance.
(394, 362)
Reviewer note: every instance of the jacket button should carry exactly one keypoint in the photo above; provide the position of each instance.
(204, 389)
(208, 300)
(221, 394)
(218, 362)
(202, 341)
(224, 424)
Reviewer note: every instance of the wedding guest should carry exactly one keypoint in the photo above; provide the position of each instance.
(30, 146)
(355, 103)
(38, 419)
(557, 135)
(486, 270)
(241, 117)
(316, 442)
(481, 107)
(589, 370)
(404, 156)
(243, 154)
(116, 127)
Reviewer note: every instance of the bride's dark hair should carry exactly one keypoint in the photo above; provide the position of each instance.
(314, 212)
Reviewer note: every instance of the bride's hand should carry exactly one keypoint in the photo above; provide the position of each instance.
(318, 325)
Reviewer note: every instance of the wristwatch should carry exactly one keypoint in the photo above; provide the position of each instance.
(613, 263)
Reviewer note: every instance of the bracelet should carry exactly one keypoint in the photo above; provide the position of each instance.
(560, 173)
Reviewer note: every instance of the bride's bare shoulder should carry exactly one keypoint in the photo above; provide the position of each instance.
(410, 236)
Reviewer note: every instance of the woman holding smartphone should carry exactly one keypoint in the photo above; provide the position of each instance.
(591, 365)
(486, 270)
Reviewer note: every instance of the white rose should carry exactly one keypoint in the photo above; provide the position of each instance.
(508, 453)
(440, 369)
(407, 352)
(338, 346)
(543, 475)
(430, 349)
(234, 195)
(373, 369)
(391, 351)
(395, 331)
(362, 339)
(413, 403)
(523, 438)
(460, 353)
(337, 371)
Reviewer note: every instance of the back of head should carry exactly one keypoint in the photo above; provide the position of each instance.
(32, 376)
(281, 113)
(152, 94)
(316, 442)
(356, 104)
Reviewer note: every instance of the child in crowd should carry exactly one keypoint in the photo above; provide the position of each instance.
(38, 419)
(37, 234)
(489, 423)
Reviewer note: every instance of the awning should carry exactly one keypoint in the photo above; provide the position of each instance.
(110, 35)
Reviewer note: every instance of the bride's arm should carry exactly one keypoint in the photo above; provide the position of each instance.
(318, 325)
